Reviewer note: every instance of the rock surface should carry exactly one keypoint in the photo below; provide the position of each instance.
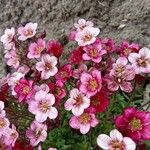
(119, 19)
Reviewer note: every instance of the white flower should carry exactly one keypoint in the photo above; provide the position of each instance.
(115, 141)
(87, 36)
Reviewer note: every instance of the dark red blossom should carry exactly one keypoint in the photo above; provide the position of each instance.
(76, 55)
(54, 47)
(3, 92)
(20, 145)
(100, 101)
(108, 45)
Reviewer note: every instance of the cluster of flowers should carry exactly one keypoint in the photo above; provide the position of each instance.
(97, 68)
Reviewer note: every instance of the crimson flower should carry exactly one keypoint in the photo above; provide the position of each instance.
(100, 101)
(134, 123)
(54, 47)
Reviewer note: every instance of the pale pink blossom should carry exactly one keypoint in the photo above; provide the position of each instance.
(47, 66)
(77, 72)
(37, 133)
(94, 52)
(2, 111)
(12, 58)
(83, 122)
(36, 48)
(91, 83)
(42, 106)
(121, 66)
(115, 141)
(7, 38)
(122, 82)
(52, 149)
(13, 80)
(77, 102)
(141, 61)
(23, 69)
(43, 87)
(4, 124)
(82, 23)
(11, 135)
(3, 144)
(120, 76)
(87, 36)
(28, 31)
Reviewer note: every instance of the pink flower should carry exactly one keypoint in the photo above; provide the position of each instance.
(52, 149)
(77, 102)
(47, 66)
(127, 48)
(71, 36)
(28, 31)
(11, 135)
(23, 69)
(87, 36)
(94, 52)
(141, 61)
(91, 83)
(24, 89)
(12, 59)
(108, 45)
(37, 133)
(58, 90)
(2, 111)
(115, 141)
(120, 75)
(77, 72)
(4, 124)
(43, 87)
(7, 38)
(134, 123)
(36, 48)
(64, 73)
(54, 47)
(3, 144)
(121, 66)
(122, 82)
(83, 122)
(82, 23)
(42, 107)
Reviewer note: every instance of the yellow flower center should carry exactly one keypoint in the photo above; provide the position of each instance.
(93, 53)
(63, 74)
(93, 85)
(87, 38)
(29, 32)
(84, 118)
(44, 106)
(135, 124)
(2, 122)
(39, 49)
(143, 62)
(26, 90)
(117, 145)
